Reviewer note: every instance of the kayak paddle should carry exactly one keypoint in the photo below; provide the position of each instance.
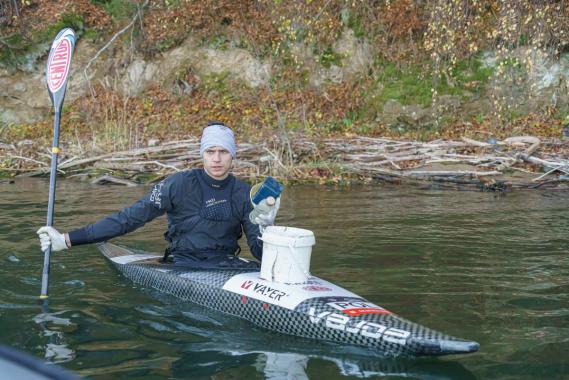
(57, 74)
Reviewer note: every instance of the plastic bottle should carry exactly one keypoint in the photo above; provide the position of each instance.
(263, 207)
(269, 187)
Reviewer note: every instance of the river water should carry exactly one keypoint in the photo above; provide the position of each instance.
(480, 266)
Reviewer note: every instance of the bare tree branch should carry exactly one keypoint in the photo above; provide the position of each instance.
(137, 16)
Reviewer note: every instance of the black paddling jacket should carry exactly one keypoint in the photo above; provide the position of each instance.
(206, 217)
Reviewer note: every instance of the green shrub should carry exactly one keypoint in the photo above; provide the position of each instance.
(118, 9)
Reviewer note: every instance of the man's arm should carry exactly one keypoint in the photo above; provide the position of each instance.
(155, 203)
(118, 224)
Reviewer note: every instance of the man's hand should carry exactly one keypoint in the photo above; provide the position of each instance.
(267, 218)
(50, 236)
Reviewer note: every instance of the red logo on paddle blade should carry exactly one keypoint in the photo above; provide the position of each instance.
(58, 65)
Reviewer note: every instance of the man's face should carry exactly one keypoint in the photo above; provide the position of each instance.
(217, 162)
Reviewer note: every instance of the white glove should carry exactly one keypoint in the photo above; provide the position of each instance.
(268, 218)
(50, 236)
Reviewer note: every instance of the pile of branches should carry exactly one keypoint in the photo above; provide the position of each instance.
(524, 161)
(124, 167)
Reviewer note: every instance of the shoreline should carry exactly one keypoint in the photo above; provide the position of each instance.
(521, 162)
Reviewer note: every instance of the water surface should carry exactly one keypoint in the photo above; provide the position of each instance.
(484, 267)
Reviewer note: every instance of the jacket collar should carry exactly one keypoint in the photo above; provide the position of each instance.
(214, 183)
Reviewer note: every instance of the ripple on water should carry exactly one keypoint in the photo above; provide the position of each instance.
(77, 283)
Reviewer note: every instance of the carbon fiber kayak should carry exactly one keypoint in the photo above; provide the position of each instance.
(317, 309)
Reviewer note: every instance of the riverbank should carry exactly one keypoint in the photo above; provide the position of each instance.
(520, 162)
(326, 91)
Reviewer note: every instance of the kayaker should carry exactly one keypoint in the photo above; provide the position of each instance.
(207, 211)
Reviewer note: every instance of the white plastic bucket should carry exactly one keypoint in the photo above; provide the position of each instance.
(286, 254)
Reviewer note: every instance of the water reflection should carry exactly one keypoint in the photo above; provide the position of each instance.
(52, 328)
(231, 343)
(204, 362)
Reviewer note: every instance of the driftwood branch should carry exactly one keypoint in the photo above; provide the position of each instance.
(447, 173)
(475, 143)
(110, 179)
(134, 152)
(15, 157)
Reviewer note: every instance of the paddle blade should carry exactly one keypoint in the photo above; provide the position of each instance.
(59, 65)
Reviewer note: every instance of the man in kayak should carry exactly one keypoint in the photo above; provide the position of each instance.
(207, 210)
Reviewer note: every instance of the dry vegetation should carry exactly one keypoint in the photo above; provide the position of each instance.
(419, 41)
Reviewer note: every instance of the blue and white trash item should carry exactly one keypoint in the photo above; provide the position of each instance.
(270, 187)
